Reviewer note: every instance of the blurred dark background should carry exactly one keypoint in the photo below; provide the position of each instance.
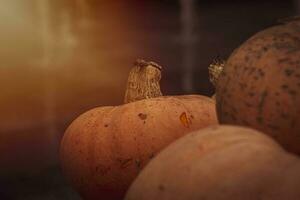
(60, 58)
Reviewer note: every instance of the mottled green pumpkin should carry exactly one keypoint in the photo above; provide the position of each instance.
(259, 86)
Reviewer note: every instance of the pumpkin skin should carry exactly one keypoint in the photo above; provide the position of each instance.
(220, 162)
(104, 149)
(260, 85)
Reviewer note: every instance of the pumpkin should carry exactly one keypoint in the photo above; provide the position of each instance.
(259, 86)
(104, 149)
(220, 162)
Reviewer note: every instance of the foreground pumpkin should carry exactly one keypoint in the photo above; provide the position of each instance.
(104, 149)
(260, 85)
(220, 163)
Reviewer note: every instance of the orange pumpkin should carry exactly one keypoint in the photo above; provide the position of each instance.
(220, 162)
(259, 86)
(104, 149)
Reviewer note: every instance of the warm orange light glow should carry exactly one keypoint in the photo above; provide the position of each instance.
(59, 58)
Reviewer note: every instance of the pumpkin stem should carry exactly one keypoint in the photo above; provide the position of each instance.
(215, 69)
(143, 81)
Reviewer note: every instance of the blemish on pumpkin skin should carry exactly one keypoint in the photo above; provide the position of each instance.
(288, 72)
(261, 73)
(259, 120)
(151, 156)
(262, 101)
(246, 69)
(125, 163)
(283, 60)
(161, 187)
(265, 49)
(138, 163)
(185, 120)
(292, 92)
(142, 116)
(251, 94)
(105, 125)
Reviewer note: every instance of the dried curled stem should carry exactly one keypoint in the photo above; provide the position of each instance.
(215, 69)
(143, 81)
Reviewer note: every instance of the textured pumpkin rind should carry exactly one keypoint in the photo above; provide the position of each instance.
(260, 85)
(104, 149)
(221, 162)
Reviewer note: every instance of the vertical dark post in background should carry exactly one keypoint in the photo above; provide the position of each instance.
(297, 6)
(187, 38)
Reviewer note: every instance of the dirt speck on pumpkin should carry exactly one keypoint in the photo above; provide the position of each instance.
(283, 60)
(292, 92)
(161, 187)
(151, 155)
(259, 119)
(251, 94)
(125, 163)
(142, 116)
(138, 163)
(185, 120)
(288, 72)
(284, 86)
(262, 101)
